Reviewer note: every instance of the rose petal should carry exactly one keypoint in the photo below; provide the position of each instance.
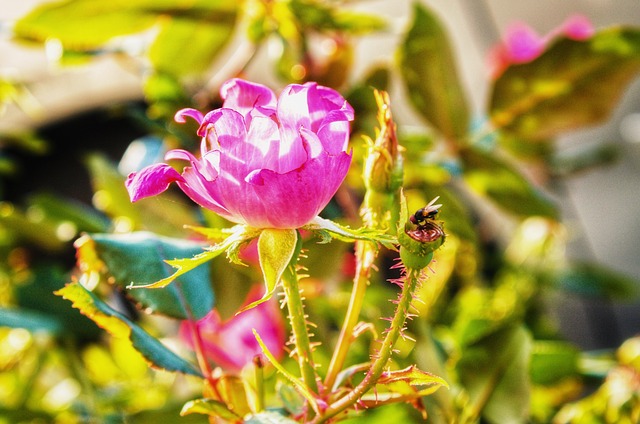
(244, 96)
(182, 114)
(150, 181)
(305, 196)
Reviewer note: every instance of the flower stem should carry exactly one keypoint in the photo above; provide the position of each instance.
(412, 280)
(298, 321)
(365, 256)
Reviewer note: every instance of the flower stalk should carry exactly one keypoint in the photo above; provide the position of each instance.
(382, 178)
(298, 320)
(411, 282)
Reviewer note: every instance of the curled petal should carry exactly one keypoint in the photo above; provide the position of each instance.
(150, 181)
(181, 115)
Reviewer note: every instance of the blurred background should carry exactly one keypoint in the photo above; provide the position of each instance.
(601, 207)
(70, 113)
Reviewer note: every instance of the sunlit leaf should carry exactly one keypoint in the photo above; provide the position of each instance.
(429, 71)
(205, 36)
(572, 84)
(413, 376)
(119, 325)
(276, 249)
(331, 229)
(209, 407)
(87, 24)
(139, 259)
(492, 177)
(495, 373)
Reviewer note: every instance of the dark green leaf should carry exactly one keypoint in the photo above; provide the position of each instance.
(552, 361)
(62, 210)
(35, 294)
(120, 326)
(572, 84)
(494, 178)
(429, 71)
(567, 164)
(588, 279)
(140, 258)
(495, 373)
(30, 320)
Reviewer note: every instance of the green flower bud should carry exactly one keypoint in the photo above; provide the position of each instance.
(419, 236)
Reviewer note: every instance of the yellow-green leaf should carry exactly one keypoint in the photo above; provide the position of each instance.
(276, 248)
(119, 325)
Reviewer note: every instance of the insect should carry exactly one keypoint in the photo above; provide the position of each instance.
(428, 230)
(429, 212)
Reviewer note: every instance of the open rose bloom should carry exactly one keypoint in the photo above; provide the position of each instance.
(264, 161)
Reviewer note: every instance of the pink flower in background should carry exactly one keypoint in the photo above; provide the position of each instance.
(522, 44)
(231, 344)
(264, 161)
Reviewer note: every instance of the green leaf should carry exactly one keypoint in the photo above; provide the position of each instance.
(235, 238)
(276, 249)
(30, 320)
(322, 17)
(209, 407)
(61, 210)
(329, 229)
(588, 279)
(552, 361)
(495, 373)
(205, 36)
(87, 24)
(83, 24)
(494, 178)
(297, 383)
(572, 84)
(35, 294)
(268, 418)
(428, 68)
(119, 325)
(413, 376)
(140, 257)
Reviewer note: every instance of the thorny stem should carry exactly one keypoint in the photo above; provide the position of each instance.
(365, 256)
(298, 321)
(412, 280)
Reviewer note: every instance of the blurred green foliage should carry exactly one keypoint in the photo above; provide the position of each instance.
(484, 326)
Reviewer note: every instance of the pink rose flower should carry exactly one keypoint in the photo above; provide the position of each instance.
(264, 161)
(522, 44)
(231, 344)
